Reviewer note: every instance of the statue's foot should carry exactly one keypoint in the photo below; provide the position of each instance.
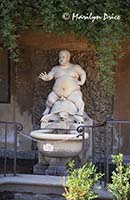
(45, 118)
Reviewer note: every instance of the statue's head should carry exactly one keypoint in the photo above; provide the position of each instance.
(64, 57)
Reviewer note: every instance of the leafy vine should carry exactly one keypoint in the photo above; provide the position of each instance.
(18, 15)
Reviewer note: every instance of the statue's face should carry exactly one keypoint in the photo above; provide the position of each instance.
(63, 58)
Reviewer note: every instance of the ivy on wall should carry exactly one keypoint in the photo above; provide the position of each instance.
(18, 15)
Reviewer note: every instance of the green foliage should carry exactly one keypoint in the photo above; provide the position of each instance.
(120, 186)
(18, 15)
(80, 182)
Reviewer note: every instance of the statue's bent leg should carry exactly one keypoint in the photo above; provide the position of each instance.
(76, 98)
(52, 98)
(46, 118)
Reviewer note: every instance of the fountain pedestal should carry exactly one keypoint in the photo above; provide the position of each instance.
(56, 150)
(57, 166)
(52, 166)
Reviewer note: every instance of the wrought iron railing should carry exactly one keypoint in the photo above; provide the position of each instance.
(16, 127)
(101, 144)
(101, 158)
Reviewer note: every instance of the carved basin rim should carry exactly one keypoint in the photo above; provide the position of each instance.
(43, 135)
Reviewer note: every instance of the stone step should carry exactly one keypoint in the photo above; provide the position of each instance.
(38, 186)
(29, 196)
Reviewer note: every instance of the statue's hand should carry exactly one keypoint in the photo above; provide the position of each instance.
(43, 76)
(79, 119)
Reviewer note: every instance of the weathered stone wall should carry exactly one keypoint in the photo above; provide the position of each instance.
(24, 97)
(122, 96)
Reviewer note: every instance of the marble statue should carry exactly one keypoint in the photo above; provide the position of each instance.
(65, 101)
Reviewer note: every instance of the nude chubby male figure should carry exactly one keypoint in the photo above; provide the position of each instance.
(68, 79)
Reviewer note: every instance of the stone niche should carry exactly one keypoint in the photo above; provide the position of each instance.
(40, 53)
(32, 92)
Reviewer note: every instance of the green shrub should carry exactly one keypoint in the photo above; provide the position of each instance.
(80, 182)
(120, 186)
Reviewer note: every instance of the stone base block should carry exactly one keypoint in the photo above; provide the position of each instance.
(40, 169)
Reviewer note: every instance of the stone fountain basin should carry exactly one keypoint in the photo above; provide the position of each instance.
(58, 145)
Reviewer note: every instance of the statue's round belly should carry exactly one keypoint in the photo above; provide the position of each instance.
(65, 86)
